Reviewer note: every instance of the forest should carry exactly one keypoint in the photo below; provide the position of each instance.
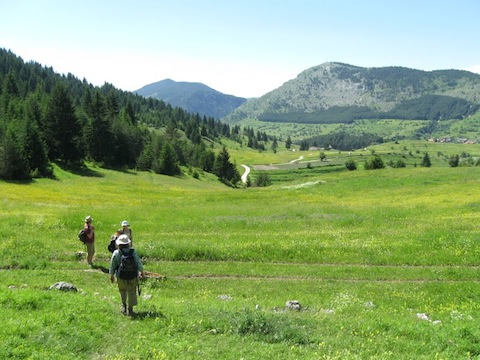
(341, 141)
(48, 118)
(427, 107)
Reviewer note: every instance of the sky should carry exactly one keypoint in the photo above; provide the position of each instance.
(245, 48)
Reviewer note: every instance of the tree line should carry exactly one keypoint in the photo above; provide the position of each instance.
(341, 141)
(46, 117)
(427, 107)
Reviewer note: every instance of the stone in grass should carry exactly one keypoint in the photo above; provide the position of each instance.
(63, 286)
(293, 305)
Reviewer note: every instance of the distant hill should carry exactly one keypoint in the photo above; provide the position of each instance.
(340, 93)
(192, 97)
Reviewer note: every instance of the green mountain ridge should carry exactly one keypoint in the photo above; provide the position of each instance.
(319, 94)
(193, 97)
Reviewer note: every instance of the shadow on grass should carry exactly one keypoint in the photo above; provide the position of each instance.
(19, 182)
(125, 171)
(101, 268)
(144, 315)
(78, 169)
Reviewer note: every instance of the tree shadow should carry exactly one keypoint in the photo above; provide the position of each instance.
(78, 169)
(123, 169)
(19, 182)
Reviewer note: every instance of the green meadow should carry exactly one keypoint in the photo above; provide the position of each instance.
(385, 263)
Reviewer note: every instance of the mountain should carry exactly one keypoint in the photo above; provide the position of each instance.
(340, 93)
(192, 97)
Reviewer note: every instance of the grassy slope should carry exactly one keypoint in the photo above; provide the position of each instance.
(387, 128)
(363, 251)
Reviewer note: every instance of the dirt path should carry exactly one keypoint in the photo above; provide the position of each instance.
(297, 160)
(245, 174)
(264, 167)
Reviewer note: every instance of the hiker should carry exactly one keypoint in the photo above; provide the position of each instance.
(90, 239)
(125, 265)
(126, 230)
(112, 245)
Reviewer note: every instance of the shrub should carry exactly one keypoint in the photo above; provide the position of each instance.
(263, 179)
(454, 160)
(374, 163)
(351, 164)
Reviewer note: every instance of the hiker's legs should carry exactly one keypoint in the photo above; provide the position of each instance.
(123, 295)
(128, 292)
(90, 252)
(132, 297)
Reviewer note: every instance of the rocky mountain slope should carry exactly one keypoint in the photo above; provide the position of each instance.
(192, 97)
(340, 93)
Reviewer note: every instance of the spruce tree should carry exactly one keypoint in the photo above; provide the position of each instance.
(101, 142)
(61, 127)
(167, 163)
(426, 161)
(224, 169)
(288, 143)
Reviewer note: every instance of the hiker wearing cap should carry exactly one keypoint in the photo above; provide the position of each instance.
(90, 239)
(125, 265)
(126, 230)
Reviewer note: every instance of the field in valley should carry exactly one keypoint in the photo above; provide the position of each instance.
(385, 263)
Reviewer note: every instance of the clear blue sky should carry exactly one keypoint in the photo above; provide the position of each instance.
(244, 47)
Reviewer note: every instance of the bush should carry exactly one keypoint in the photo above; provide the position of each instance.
(374, 163)
(397, 164)
(351, 164)
(263, 179)
(454, 160)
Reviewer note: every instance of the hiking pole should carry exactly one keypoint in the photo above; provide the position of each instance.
(140, 278)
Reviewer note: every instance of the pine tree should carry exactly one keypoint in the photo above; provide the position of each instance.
(13, 165)
(167, 163)
(35, 149)
(288, 143)
(274, 145)
(61, 127)
(426, 161)
(101, 141)
(224, 169)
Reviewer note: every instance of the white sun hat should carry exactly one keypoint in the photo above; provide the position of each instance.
(123, 240)
(125, 223)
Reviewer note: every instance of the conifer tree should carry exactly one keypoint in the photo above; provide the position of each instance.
(224, 169)
(167, 163)
(35, 149)
(61, 127)
(288, 143)
(426, 161)
(101, 141)
(13, 163)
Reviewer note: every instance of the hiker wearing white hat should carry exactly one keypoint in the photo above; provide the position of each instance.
(90, 239)
(126, 230)
(125, 265)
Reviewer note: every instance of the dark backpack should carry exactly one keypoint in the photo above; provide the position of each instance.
(82, 236)
(112, 244)
(128, 267)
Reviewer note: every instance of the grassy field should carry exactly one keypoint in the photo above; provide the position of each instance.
(383, 262)
(386, 128)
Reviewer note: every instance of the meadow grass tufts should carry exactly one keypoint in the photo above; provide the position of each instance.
(364, 252)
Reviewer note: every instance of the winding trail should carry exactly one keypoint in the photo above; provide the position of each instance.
(245, 174)
(297, 160)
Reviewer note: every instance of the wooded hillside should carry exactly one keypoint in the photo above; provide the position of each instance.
(47, 117)
(341, 93)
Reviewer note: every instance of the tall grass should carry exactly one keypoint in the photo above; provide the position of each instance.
(384, 263)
